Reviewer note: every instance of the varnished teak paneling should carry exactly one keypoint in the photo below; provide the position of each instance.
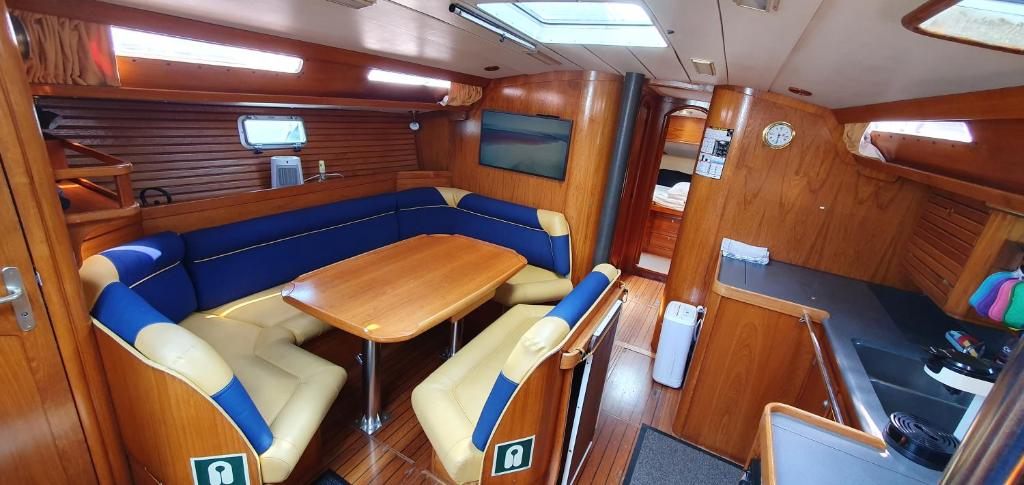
(194, 151)
(807, 203)
(590, 100)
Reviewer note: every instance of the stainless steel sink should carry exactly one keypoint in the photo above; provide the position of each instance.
(900, 384)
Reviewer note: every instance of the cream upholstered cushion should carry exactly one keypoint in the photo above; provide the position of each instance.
(292, 388)
(449, 401)
(268, 309)
(533, 285)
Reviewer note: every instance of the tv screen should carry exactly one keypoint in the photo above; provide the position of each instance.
(536, 145)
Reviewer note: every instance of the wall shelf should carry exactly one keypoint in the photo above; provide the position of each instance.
(234, 99)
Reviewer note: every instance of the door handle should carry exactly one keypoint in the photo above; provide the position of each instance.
(17, 298)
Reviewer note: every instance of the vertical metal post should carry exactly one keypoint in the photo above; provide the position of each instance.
(631, 91)
(374, 417)
(455, 339)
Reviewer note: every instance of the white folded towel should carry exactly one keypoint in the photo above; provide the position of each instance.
(744, 252)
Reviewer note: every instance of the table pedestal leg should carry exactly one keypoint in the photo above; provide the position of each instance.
(374, 417)
(454, 340)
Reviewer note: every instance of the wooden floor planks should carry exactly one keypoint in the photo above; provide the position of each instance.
(400, 451)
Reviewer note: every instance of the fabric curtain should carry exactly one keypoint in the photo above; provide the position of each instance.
(462, 95)
(858, 140)
(68, 51)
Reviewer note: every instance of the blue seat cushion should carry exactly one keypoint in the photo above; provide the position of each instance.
(514, 226)
(235, 260)
(152, 267)
(424, 211)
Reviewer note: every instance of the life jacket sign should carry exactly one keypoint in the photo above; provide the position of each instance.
(513, 456)
(220, 470)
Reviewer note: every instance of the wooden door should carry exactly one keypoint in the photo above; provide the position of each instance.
(41, 435)
(746, 357)
(42, 440)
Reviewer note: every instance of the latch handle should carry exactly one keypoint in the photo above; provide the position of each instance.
(17, 298)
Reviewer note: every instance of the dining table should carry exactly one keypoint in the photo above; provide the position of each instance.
(396, 292)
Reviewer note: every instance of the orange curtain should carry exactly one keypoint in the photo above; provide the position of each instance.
(462, 95)
(68, 51)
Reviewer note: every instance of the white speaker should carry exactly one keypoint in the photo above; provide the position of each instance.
(285, 171)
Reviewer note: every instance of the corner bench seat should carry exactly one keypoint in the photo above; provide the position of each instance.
(267, 309)
(459, 404)
(292, 389)
(223, 285)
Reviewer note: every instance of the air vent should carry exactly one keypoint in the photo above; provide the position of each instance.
(542, 57)
(762, 5)
(354, 3)
(704, 66)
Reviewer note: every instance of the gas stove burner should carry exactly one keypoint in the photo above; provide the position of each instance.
(920, 441)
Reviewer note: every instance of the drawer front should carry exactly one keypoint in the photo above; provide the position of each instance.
(665, 224)
(661, 244)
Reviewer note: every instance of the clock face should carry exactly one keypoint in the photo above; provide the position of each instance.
(778, 135)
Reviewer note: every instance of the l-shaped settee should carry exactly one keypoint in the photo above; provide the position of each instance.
(205, 306)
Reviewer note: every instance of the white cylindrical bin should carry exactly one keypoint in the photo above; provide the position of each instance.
(674, 346)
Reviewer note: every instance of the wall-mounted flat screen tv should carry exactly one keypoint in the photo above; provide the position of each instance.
(537, 145)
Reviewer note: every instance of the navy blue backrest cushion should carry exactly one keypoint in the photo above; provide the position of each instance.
(152, 267)
(235, 260)
(423, 211)
(511, 225)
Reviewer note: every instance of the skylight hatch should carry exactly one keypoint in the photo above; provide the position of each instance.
(995, 24)
(595, 23)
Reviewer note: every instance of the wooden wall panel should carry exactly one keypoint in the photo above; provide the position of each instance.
(591, 100)
(808, 203)
(991, 160)
(194, 151)
(685, 129)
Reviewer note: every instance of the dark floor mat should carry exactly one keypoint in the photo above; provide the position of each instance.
(659, 458)
(330, 478)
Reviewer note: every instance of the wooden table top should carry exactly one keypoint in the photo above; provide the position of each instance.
(397, 292)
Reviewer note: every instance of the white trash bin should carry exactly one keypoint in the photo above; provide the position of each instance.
(677, 331)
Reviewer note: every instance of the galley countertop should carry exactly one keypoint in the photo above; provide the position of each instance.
(856, 311)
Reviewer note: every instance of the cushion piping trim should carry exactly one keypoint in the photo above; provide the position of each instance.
(505, 221)
(291, 237)
(143, 280)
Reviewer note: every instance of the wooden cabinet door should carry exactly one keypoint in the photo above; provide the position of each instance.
(746, 357)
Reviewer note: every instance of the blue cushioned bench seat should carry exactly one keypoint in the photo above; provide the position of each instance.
(207, 304)
(459, 404)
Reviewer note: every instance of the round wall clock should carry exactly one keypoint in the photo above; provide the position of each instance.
(778, 135)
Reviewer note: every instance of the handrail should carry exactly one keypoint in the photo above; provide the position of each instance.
(112, 166)
(825, 375)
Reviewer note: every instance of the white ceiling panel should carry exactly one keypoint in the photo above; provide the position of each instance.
(661, 62)
(580, 57)
(758, 43)
(619, 58)
(857, 53)
(698, 34)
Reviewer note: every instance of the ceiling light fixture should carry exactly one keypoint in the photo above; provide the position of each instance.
(383, 76)
(759, 5)
(487, 23)
(799, 91)
(703, 66)
(589, 23)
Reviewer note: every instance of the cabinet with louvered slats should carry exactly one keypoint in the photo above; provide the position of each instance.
(942, 243)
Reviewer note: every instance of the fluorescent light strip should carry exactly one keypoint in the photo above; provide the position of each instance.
(135, 43)
(488, 24)
(383, 76)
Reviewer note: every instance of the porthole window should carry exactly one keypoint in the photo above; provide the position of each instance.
(267, 132)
